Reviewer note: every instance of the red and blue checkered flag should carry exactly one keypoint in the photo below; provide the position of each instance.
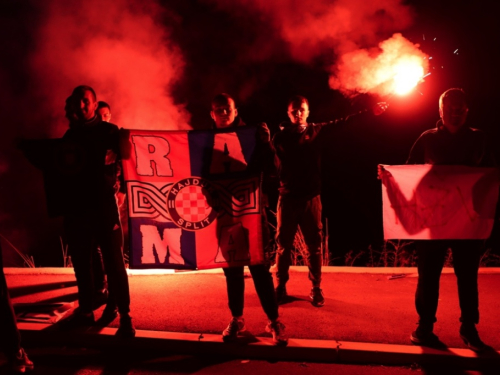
(194, 198)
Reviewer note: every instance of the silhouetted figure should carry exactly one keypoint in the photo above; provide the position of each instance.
(91, 218)
(451, 142)
(100, 284)
(225, 114)
(298, 147)
(10, 339)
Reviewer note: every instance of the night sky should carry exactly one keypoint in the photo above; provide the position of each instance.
(158, 64)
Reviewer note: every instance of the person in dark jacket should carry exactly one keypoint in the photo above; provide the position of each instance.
(298, 147)
(225, 114)
(451, 142)
(99, 277)
(91, 214)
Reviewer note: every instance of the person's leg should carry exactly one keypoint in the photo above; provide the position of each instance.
(235, 285)
(263, 282)
(98, 269)
(312, 229)
(287, 216)
(99, 277)
(81, 240)
(430, 260)
(264, 287)
(466, 258)
(110, 241)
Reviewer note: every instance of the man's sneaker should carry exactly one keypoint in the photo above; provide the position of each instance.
(316, 296)
(235, 326)
(277, 329)
(424, 336)
(281, 294)
(20, 363)
(468, 333)
(108, 315)
(126, 328)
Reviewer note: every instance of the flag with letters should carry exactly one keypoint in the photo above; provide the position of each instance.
(194, 198)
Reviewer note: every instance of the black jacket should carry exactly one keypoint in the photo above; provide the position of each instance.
(298, 155)
(468, 147)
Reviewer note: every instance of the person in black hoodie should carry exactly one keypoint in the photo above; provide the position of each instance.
(91, 214)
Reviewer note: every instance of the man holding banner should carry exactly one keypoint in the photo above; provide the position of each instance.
(439, 207)
(225, 115)
(90, 211)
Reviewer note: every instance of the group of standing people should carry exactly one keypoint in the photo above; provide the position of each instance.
(94, 234)
(297, 151)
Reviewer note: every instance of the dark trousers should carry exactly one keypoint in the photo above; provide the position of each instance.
(293, 212)
(86, 232)
(431, 257)
(98, 271)
(264, 286)
(10, 340)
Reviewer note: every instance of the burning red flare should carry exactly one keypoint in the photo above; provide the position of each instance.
(395, 68)
(408, 73)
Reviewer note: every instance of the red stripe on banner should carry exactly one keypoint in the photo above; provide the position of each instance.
(219, 222)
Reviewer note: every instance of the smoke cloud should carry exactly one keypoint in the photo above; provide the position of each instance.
(313, 27)
(121, 48)
(341, 32)
(376, 70)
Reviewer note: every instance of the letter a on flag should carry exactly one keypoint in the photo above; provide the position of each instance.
(194, 199)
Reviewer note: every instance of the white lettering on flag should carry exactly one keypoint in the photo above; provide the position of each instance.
(168, 246)
(151, 154)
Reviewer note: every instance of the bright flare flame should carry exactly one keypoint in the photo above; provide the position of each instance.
(396, 67)
(408, 75)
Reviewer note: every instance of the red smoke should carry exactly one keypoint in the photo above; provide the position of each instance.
(395, 67)
(311, 27)
(348, 32)
(117, 47)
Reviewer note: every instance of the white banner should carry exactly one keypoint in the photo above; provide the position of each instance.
(438, 202)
